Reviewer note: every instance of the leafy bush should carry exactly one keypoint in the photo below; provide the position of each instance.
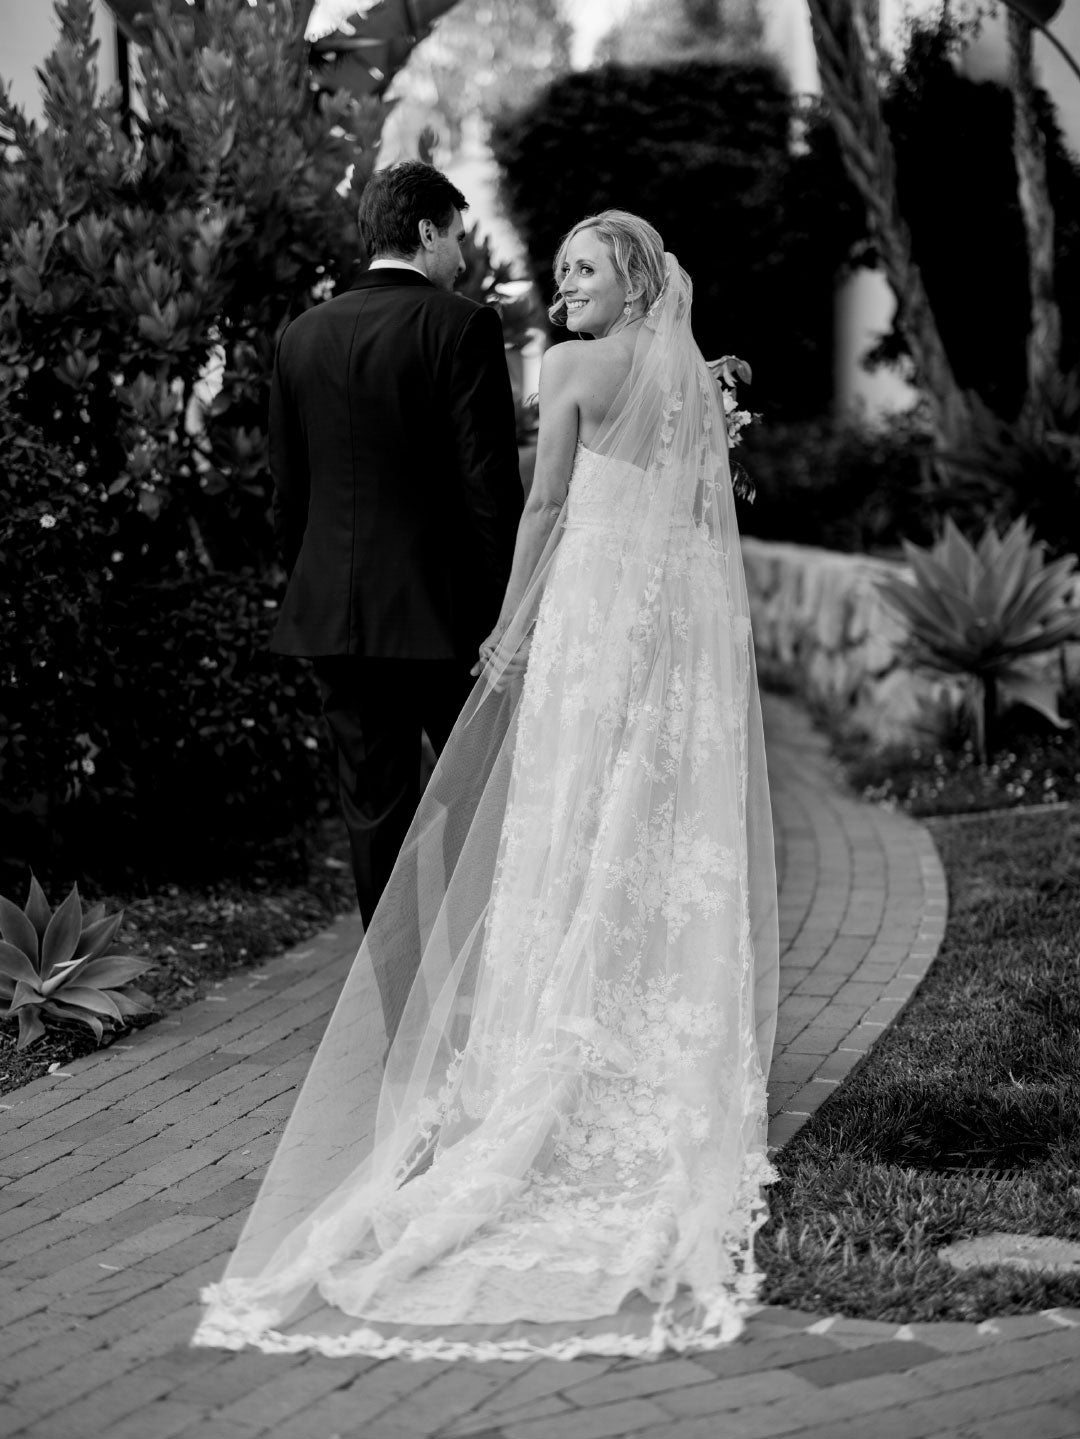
(983, 612)
(143, 279)
(137, 719)
(206, 725)
(56, 538)
(1013, 469)
(62, 967)
(843, 486)
(703, 151)
(169, 743)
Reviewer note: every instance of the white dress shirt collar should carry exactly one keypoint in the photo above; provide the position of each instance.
(391, 264)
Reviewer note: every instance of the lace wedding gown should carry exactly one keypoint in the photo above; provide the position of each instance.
(570, 1141)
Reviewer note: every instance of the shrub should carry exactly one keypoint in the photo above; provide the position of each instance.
(703, 151)
(1008, 470)
(62, 967)
(132, 266)
(172, 741)
(56, 536)
(983, 612)
(143, 279)
(210, 732)
(843, 486)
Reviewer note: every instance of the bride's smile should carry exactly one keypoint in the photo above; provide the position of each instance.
(590, 287)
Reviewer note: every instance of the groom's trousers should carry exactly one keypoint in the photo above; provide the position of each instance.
(375, 710)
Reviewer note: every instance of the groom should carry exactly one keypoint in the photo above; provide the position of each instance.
(396, 501)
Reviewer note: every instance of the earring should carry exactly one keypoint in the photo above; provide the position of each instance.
(627, 308)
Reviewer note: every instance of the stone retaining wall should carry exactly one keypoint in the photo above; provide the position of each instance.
(820, 624)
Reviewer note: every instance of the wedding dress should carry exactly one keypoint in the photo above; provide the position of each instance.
(568, 1146)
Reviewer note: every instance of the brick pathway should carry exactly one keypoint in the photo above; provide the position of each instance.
(123, 1184)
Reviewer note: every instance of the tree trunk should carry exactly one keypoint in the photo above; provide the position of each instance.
(1029, 151)
(849, 83)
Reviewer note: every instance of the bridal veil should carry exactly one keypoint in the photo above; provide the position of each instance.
(566, 1150)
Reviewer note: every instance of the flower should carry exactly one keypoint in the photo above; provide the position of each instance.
(728, 372)
(47, 522)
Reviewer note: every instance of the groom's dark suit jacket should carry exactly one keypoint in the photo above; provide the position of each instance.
(396, 484)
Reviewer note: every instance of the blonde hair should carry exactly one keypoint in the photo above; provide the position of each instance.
(637, 252)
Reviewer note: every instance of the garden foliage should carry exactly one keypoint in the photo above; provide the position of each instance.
(144, 277)
(140, 272)
(984, 612)
(703, 151)
(62, 967)
(842, 485)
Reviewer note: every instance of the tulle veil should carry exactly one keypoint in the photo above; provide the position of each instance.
(639, 710)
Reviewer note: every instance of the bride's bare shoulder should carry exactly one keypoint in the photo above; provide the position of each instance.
(594, 365)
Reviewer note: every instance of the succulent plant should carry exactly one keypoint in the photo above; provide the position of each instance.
(62, 966)
(983, 612)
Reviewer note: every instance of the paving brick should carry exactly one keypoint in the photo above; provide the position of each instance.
(642, 1380)
(990, 1363)
(382, 1386)
(534, 1382)
(332, 1415)
(212, 1244)
(959, 1407)
(761, 1354)
(795, 1414)
(740, 1391)
(236, 1376)
(111, 1196)
(890, 1358)
(478, 1426)
(80, 1289)
(284, 1394)
(160, 1420)
(218, 1429)
(57, 1174)
(1046, 1421)
(607, 1421)
(449, 1396)
(839, 1064)
(39, 1359)
(235, 1196)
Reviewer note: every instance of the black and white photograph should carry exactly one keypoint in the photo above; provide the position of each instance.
(540, 719)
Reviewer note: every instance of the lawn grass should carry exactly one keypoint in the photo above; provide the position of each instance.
(965, 1117)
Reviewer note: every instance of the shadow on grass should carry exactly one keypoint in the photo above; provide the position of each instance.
(965, 1117)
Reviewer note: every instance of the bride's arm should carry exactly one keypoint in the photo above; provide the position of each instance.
(555, 446)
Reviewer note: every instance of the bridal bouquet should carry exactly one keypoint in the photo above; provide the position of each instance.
(728, 372)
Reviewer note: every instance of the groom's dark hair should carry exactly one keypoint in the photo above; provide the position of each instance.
(396, 199)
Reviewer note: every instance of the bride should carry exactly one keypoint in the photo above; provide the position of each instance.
(566, 1152)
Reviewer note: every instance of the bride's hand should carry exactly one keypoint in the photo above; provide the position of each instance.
(494, 659)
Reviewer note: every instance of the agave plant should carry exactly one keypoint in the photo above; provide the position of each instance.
(982, 612)
(62, 966)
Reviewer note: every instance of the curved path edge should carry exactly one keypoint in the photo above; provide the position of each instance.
(124, 1181)
(863, 906)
